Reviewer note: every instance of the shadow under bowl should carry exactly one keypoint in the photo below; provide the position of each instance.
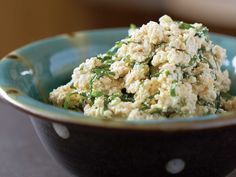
(197, 147)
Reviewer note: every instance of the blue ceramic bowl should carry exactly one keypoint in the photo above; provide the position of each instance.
(196, 147)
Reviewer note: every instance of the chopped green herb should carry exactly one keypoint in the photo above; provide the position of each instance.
(67, 99)
(106, 102)
(226, 96)
(147, 61)
(94, 77)
(110, 53)
(117, 45)
(193, 60)
(108, 99)
(218, 102)
(202, 49)
(162, 44)
(158, 73)
(72, 86)
(133, 26)
(101, 71)
(156, 111)
(152, 96)
(182, 66)
(204, 60)
(127, 97)
(83, 94)
(108, 62)
(186, 75)
(203, 102)
(104, 57)
(182, 102)
(144, 106)
(202, 32)
(183, 25)
(96, 93)
(167, 72)
(129, 61)
(172, 89)
(170, 111)
(191, 63)
(113, 96)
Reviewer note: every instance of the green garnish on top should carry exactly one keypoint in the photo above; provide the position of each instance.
(188, 69)
(202, 32)
(183, 25)
(100, 72)
(117, 45)
(132, 26)
(172, 89)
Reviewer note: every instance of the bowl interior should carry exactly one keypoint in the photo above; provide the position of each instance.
(39, 67)
(28, 74)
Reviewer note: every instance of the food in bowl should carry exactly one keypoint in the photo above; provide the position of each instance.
(160, 70)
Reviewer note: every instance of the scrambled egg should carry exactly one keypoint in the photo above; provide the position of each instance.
(161, 70)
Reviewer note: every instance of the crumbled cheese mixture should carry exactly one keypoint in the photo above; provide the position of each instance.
(161, 70)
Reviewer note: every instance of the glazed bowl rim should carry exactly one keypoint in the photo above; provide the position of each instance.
(177, 124)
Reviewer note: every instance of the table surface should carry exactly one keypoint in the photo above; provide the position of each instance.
(22, 154)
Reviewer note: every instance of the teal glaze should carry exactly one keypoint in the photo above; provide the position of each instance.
(48, 63)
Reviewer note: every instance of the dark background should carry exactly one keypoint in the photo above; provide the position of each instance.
(23, 21)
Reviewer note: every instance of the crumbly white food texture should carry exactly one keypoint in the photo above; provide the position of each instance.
(161, 70)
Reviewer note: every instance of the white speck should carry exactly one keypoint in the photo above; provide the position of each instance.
(61, 130)
(175, 166)
(27, 72)
(234, 63)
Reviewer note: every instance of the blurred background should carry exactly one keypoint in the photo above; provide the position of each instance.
(24, 21)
